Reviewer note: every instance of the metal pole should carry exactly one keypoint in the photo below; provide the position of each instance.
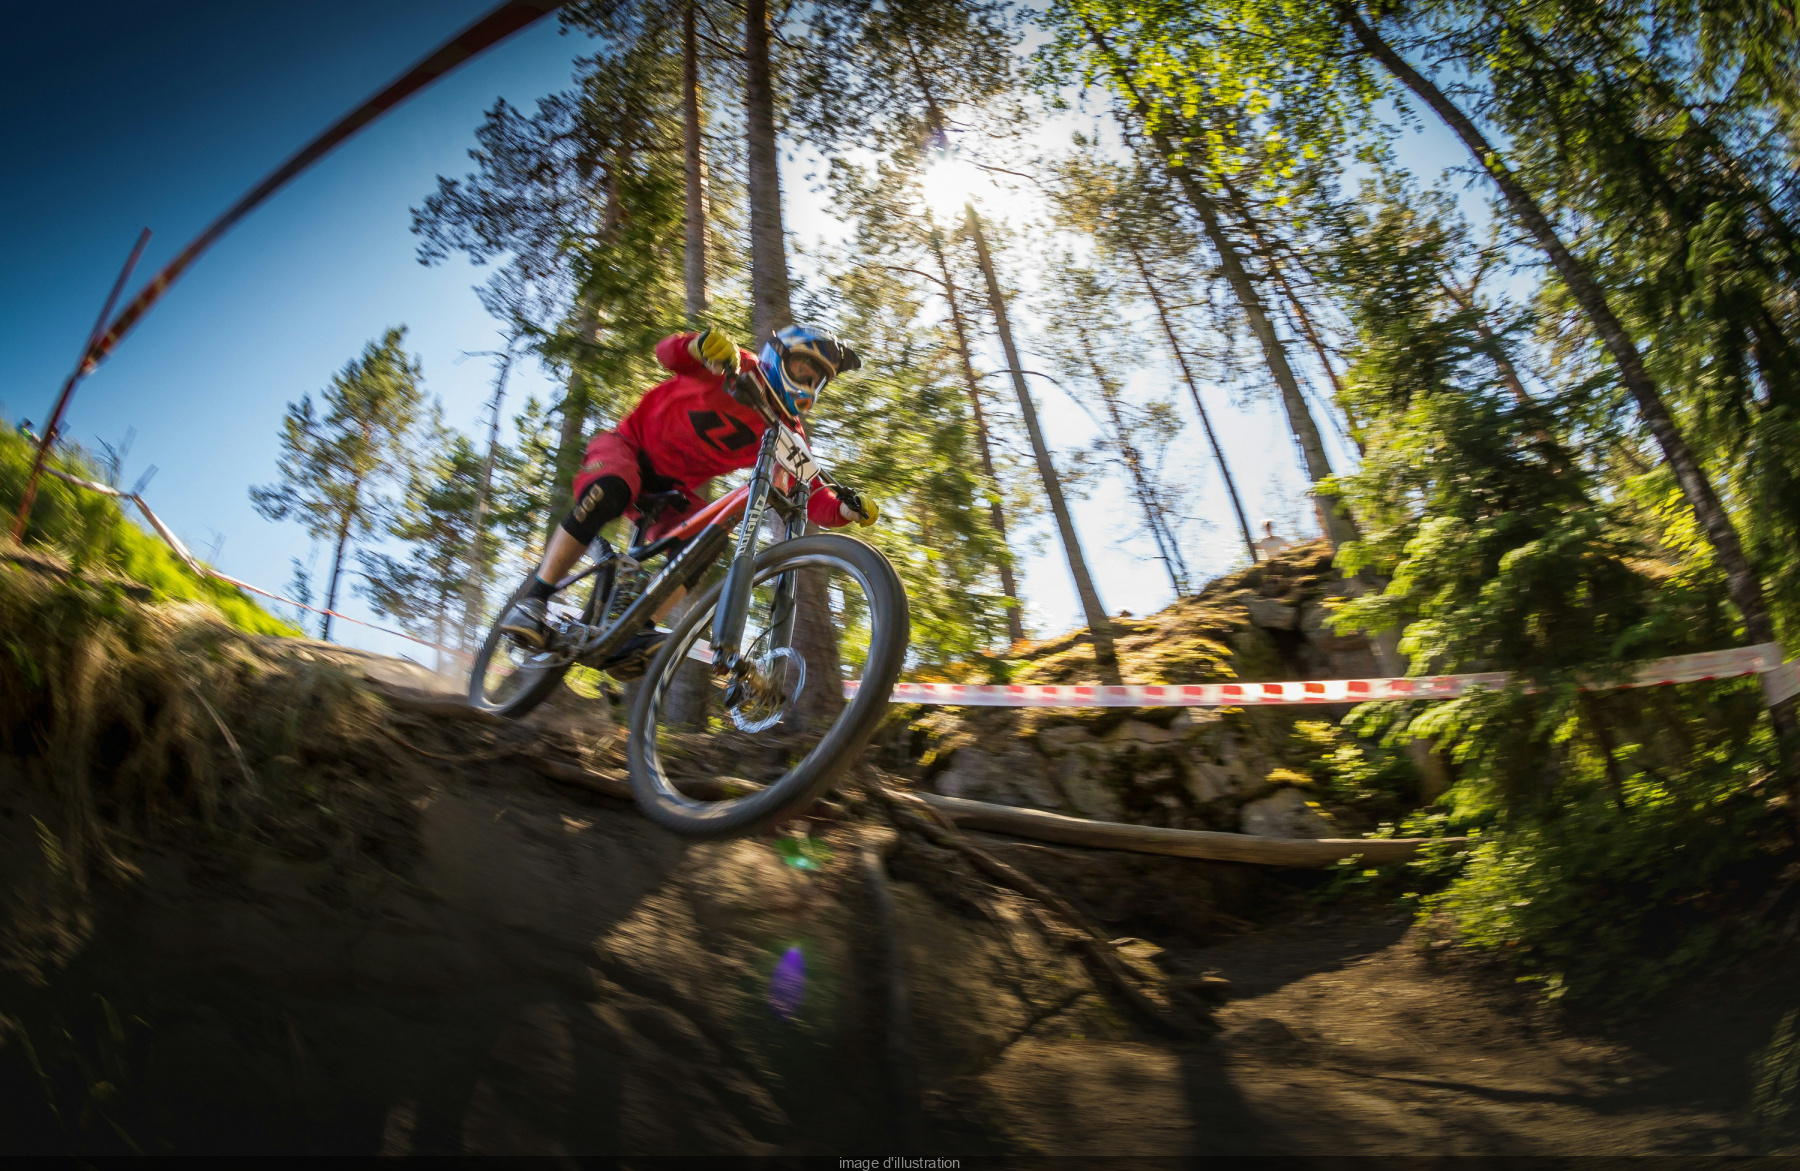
(82, 366)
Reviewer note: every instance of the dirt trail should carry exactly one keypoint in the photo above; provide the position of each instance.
(495, 963)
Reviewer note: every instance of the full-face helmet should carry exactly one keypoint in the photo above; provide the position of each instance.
(799, 360)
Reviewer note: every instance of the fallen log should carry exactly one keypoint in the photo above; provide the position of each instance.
(1181, 843)
(444, 706)
(618, 784)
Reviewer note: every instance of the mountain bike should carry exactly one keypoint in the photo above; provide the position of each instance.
(725, 734)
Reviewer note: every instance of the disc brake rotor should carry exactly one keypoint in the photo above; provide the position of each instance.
(760, 696)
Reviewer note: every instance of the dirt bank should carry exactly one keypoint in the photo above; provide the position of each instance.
(412, 941)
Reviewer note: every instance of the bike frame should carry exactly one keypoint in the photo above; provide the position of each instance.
(706, 535)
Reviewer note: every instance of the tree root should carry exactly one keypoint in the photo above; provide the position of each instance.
(472, 758)
(1061, 920)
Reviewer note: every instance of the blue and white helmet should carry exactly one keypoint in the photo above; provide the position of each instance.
(798, 361)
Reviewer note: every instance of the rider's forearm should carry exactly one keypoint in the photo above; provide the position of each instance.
(675, 356)
(823, 509)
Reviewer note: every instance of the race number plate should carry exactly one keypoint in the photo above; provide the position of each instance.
(791, 454)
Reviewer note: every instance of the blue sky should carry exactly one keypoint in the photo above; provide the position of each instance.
(160, 113)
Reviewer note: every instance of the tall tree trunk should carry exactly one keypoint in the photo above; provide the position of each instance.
(1187, 375)
(770, 309)
(1302, 317)
(337, 565)
(475, 588)
(1015, 611)
(1741, 579)
(1098, 626)
(694, 260)
(1333, 520)
(1167, 551)
(571, 438)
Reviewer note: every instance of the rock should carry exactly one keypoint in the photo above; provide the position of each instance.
(1015, 777)
(1262, 1033)
(1272, 614)
(1207, 782)
(1058, 740)
(1286, 813)
(1139, 732)
(1086, 792)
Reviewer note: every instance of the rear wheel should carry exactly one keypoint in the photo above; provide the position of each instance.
(759, 757)
(509, 680)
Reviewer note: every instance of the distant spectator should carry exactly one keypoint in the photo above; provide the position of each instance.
(1270, 544)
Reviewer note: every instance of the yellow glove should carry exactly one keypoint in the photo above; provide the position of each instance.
(863, 512)
(715, 350)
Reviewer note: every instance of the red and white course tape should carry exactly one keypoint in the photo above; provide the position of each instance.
(1780, 681)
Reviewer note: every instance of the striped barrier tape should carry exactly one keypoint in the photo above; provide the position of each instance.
(1764, 659)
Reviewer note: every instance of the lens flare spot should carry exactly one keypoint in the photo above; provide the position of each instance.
(787, 984)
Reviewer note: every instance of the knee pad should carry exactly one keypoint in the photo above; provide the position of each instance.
(604, 500)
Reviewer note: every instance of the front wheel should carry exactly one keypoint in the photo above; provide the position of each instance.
(766, 726)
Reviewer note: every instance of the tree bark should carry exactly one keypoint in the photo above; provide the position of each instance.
(1098, 626)
(1167, 551)
(1744, 585)
(694, 259)
(475, 589)
(769, 294)
(770, 309)
(1187, 375)
(1015, 612)
(1333, 521)
(337, 565)
(1181, 843)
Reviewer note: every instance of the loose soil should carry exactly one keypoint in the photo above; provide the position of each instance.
(481, 960)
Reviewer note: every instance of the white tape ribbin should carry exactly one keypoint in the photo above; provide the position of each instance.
(1694, 668)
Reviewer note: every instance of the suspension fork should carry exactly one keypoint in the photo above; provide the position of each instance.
(787, 588)
(734, 597)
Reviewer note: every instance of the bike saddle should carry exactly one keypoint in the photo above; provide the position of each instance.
(653, 504)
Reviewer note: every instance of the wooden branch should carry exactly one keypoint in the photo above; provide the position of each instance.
(610, 784)
(431, 705)
(1180, 843)
(1103, 958)
(618, 784)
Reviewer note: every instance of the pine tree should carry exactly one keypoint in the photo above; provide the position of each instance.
(439, 518)
(1133, 437)
(340, 457)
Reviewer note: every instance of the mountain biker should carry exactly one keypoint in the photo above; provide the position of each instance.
(683, 432)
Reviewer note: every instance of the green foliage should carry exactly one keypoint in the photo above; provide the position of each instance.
(95, 536)
(438, 580)
(1775, 1084)
(900, 430)
(1611, 906)
(338, 458)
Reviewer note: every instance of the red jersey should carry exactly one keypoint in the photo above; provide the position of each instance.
(691, 430)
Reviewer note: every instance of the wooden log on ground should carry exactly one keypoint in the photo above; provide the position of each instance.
(449, 707)
(617, 784)
(1181, 843)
